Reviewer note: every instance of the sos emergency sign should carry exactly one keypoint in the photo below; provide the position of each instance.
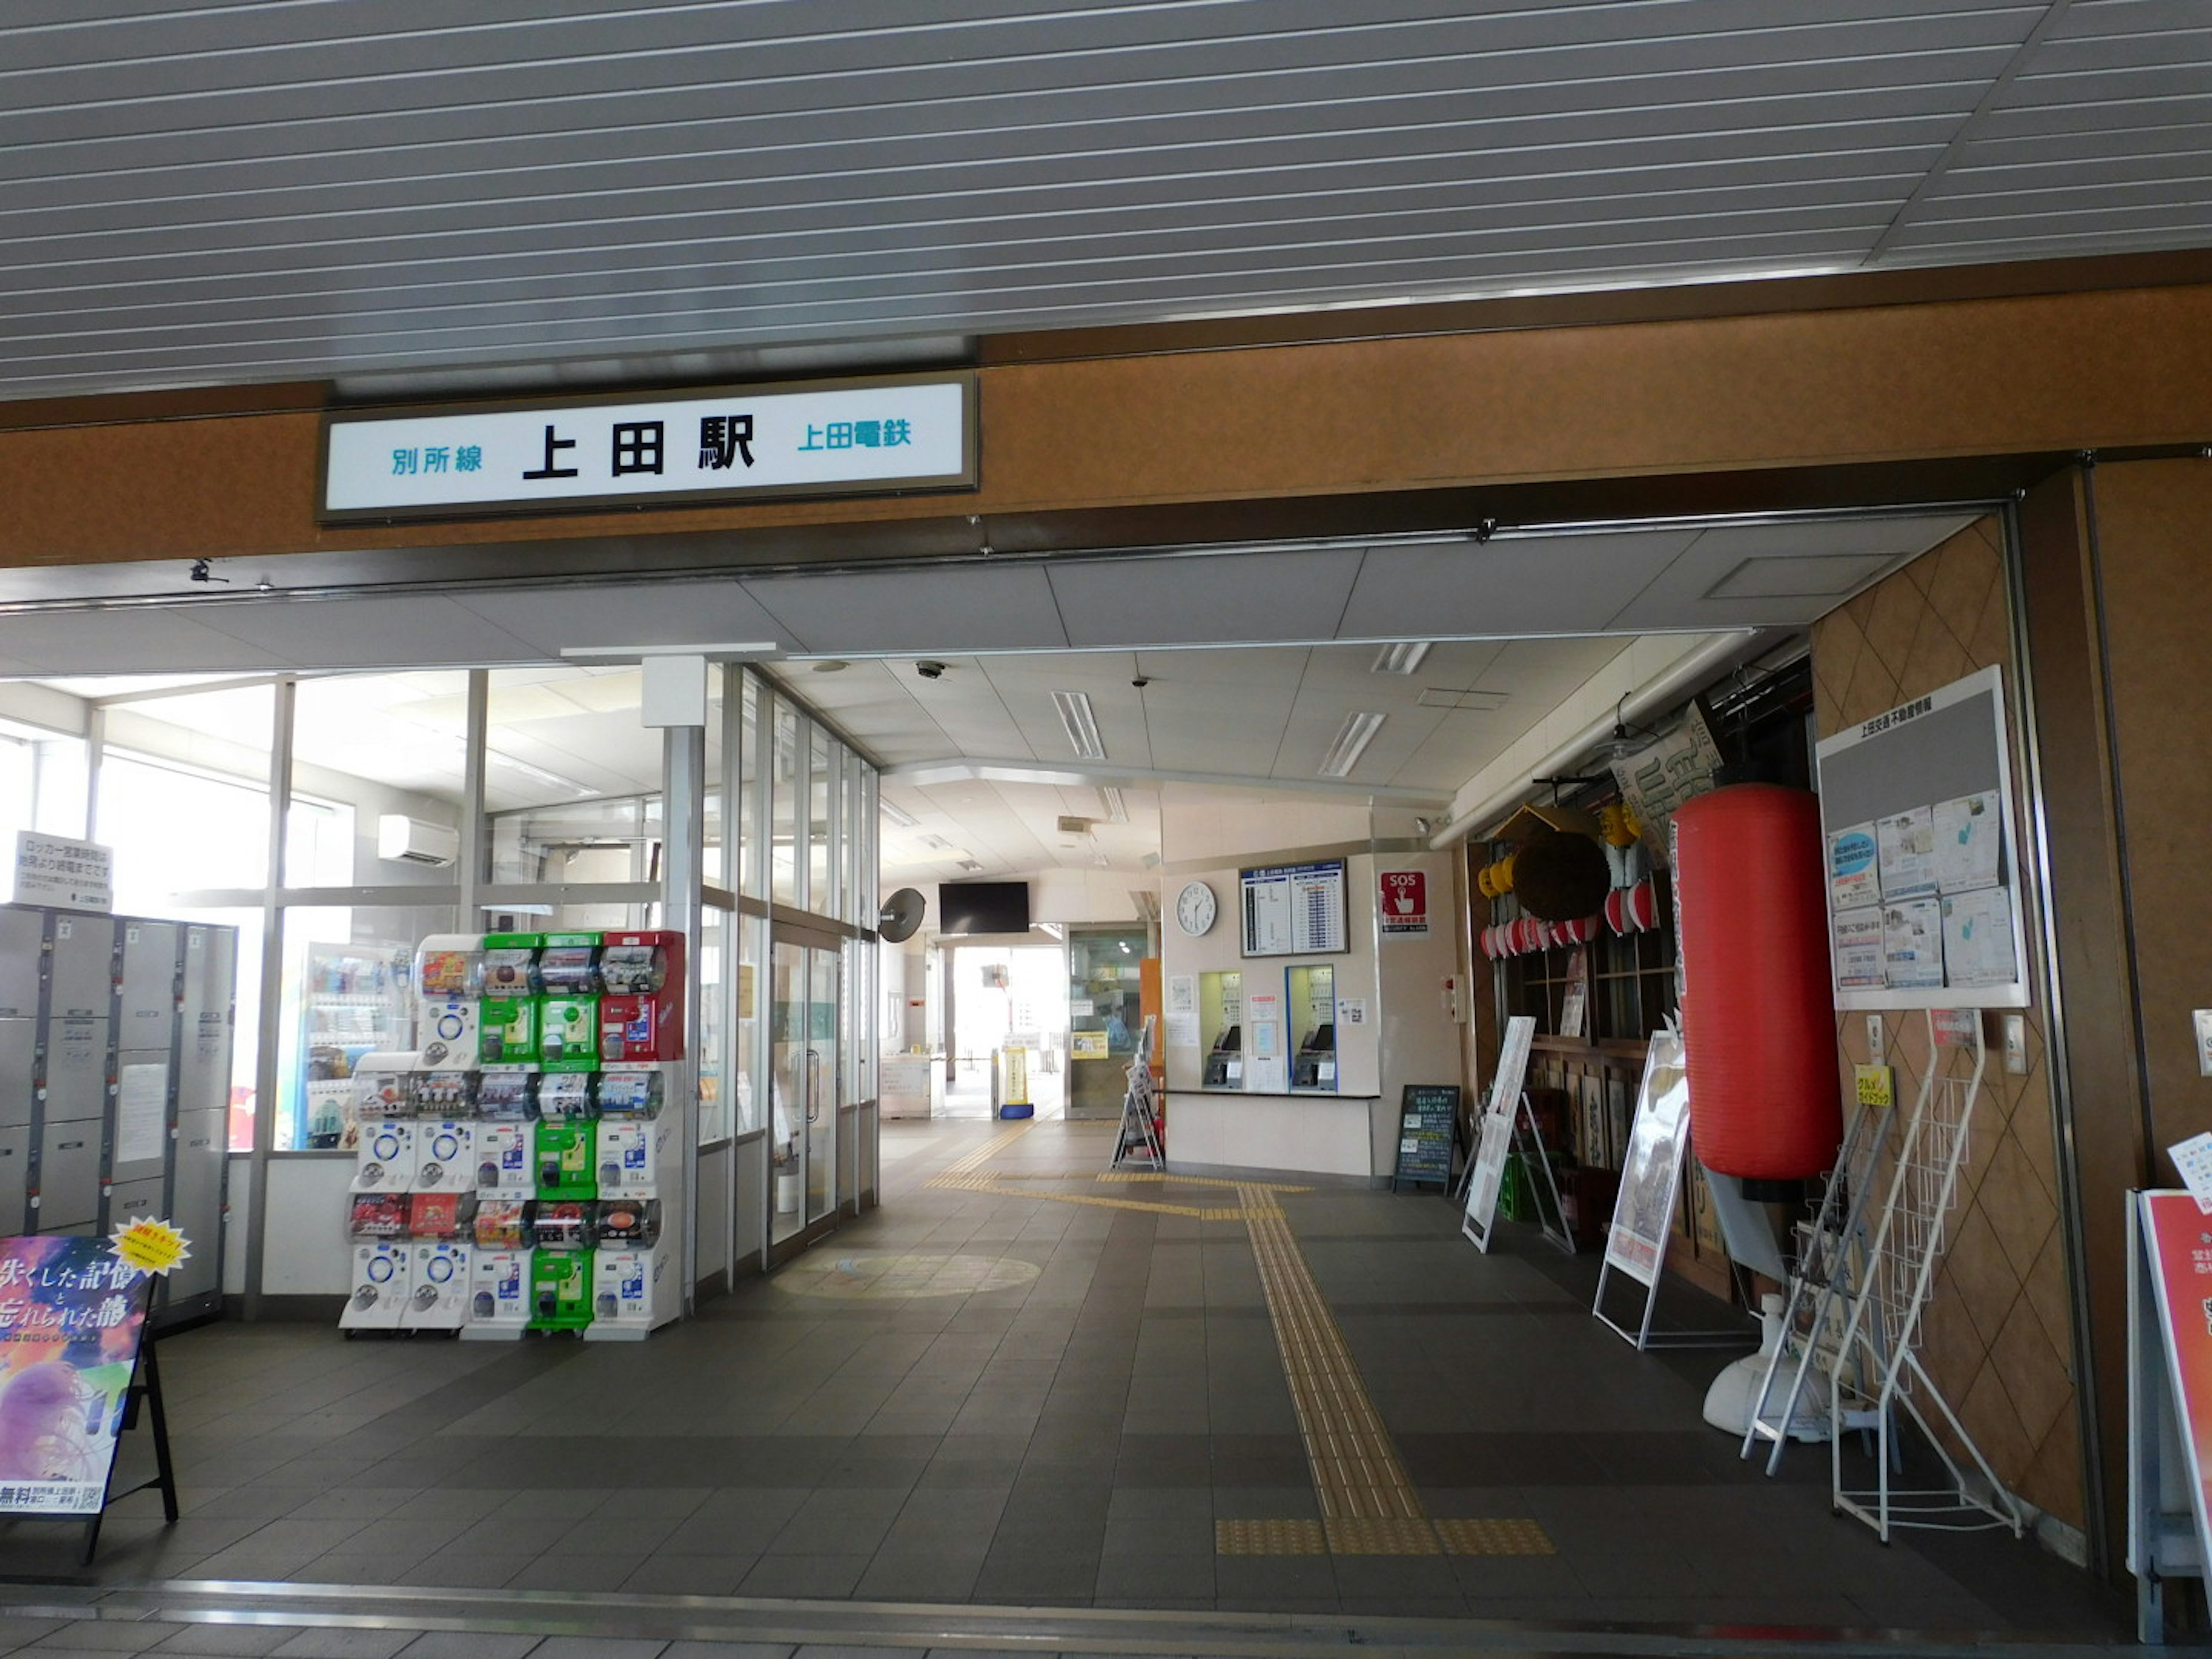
(1405, 902)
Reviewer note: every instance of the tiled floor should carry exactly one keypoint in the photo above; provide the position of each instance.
(978, 1394)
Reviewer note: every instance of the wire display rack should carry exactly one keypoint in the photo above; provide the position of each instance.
(1877, 1370)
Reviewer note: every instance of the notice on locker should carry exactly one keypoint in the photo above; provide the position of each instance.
(1294, 909)
(70, 875)
(141, 1114)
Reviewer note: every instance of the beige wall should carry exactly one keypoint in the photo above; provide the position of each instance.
(1998, 1332)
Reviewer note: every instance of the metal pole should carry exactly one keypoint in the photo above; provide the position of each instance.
(286, 696)
(684, 822)
(475, 861)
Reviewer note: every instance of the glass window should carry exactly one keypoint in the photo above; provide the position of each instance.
(572, 781)
(751, 1080)
(184, 795)
(372, 747)
(712, 869)
(713, 1035)
(785, 868)
(347, 994)
(821, 775)
(751, 865)
(61, 772)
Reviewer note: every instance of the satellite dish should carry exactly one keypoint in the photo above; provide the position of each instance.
(902, 913)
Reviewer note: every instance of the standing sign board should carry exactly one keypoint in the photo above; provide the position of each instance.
(68, 875)
(1428, 1129)
(72, 1319)
(1493, 1134)
(2169, 1396)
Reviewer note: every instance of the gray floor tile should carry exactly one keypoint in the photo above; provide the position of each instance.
(104, 1636)
(470, 1644)
(728, 1650)
(344, 1644)
(598, 1647)
(228, 1640)
(804, 1575)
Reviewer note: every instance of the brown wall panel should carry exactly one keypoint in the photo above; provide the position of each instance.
(2152, 519)
(2001, 376)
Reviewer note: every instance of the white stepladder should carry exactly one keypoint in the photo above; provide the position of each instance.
(1139, 1135)
(1822, 1286)
(1878, 1367)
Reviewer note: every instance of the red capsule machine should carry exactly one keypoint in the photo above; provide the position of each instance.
(642, 1010)
(1757, 1015)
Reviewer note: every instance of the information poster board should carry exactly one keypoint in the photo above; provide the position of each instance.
(2175, 1238)
(1651, 1173)
(72, 1316)
(1428, 1124)
(1493, 1131)
(1924, 897)
(1293, 909)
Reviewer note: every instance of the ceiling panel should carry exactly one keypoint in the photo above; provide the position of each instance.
(126, 642)
(951, 608)
(1541, 584)
(294, 190)
(681, 612)
(371, 632)
(1776, 574)
(1274, 596)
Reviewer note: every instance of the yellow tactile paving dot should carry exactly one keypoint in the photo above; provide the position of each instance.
(1511, 1537)
(1269, 1537)
(1404, 1535)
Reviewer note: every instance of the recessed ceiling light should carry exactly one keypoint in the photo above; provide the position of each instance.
(898, 814)
(1402, 657)
(970, 865)
(1082, 724)
(1115, 803)
(829, 665)
(1351, 738)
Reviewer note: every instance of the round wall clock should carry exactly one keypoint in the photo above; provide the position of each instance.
(1194, 908)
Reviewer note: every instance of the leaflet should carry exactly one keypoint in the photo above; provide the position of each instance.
(1858, 939)
(1978, 941)
(1906, 841)
(1969, 837)
(1912, 944)
(1854, 875)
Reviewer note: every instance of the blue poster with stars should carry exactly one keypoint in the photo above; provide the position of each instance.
(72, 1315)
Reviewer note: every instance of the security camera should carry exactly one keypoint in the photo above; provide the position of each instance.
(1141, 681)
(930, 670)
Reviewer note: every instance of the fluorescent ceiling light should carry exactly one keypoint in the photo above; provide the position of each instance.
(970, 865)
(1082, 724)
(1115, 803)
(536, 773)
(1353, 737)
(898, 814)
(1403, 658)
(937, 843)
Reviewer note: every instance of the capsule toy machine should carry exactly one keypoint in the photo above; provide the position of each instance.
(630, 1136)
(513, 993)
(449, 968)
(386, 1161)
(499, 1271)
(451, 1029)
(568, 1017)
(641, 1011)
(561, 1264)
(564, 1140)
(628, 1271)
(380, 1263)
(439, 1226)
(506, 1134)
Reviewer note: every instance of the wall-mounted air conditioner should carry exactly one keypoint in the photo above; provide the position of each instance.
(410, 841)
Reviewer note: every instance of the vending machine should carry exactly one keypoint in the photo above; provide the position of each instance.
(640, 1011)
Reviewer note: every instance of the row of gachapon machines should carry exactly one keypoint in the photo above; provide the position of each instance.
(393, 1084)
(572, 1000)
(578, 1158)
(511, 1267)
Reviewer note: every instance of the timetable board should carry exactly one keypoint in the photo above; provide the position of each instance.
(1293, 909)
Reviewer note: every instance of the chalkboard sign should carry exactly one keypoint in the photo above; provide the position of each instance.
(1428, 1128)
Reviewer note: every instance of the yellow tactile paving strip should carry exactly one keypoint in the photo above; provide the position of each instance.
(1369, 1506)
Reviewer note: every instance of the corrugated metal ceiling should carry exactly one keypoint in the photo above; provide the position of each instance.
(296, 189)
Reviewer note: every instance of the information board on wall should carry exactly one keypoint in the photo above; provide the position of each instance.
(1293, 909)
(1428, 1126)
(1917, 814)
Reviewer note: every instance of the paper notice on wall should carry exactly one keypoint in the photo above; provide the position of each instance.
(1351, 1011)
(1906, 845)
(1183, 1030)
(1912, 944)
(1183, 994)
(1854, 875)
(2192, 1159)
(1858, 951)
(1978, 939)
(1969, 838)
(141, 1114)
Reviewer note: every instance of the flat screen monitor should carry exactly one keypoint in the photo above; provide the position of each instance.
(984, 907)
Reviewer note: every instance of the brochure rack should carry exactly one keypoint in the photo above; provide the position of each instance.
(1139, 1136)
(1877, 1366)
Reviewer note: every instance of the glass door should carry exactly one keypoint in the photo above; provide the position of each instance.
(803, 1121)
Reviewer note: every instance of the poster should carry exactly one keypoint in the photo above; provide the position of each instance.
(142, 1113)
(1854, 873)
(1858, 938)
(1656, 780)
(1183, 1030)
(1493, 1136)
(70, 875)
(1183, 994)
(1651, 1173)
(1969, 842)
(1574, 1004)
(1404, 903)
(71, 1317)
(1904, 845)
(1912, 944)
(1088, 1045)
(2177, 1246)
(1978, 942)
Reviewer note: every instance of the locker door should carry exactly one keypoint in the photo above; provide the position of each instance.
(19, 1059)
(15, 1172)
(69, 1175)
(83, 967)
(197, 1209)
(22, 955)
(149, 984)
(77, 1069)
(133, 1200)
(141, 1147)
